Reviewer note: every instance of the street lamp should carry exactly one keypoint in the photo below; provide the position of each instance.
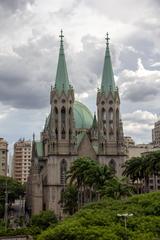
(125, 216)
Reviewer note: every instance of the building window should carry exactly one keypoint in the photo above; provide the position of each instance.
(63, 170)
(63, 122)
(112, 164)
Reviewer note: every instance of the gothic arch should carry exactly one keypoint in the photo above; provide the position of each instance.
(117, 117)
(112, 164)
(63, 122)
(63, 170)
(110, 112)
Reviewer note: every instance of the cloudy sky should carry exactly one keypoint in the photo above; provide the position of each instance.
(29, 46)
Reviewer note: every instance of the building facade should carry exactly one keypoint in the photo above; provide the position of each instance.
(156, 134)
(129, 142)
(22, 160)
(71, 131)
(3, 157)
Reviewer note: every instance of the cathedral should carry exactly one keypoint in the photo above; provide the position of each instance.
(71, 131)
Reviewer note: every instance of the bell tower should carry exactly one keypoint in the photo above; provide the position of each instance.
(110, 129)
(61, 127)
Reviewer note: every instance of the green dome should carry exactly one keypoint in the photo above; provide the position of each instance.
(82, 116)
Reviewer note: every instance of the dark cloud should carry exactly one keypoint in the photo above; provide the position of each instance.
(13, 5)
(26, 76)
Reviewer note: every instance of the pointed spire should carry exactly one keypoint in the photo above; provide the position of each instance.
(62, 81)
(108, 83)
(33, 137)
(94, 124)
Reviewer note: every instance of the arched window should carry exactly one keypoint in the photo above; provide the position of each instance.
(62, 198)
(63, 122)
(112, 164)
(103, 114)
(63, 113)
(63, 170)
(70, 117)
(56, 117)
(111, 114)
(56, 131)
(117, 118)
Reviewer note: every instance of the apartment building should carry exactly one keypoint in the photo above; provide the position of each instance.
(3, 156)
(22, 160)
(156, 134)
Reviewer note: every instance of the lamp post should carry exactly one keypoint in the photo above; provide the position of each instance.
(125, 216)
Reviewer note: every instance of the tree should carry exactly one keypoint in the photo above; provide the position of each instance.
(14, 188)
(117, 188)
(78, 175)
(69, 199)
(89, 177)
(140, 169)
(44, 219)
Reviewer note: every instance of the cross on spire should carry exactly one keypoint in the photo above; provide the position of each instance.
(61, 36)
(107, 40)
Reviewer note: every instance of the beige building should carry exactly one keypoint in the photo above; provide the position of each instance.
(156, 134)
(129, 142)
(138, 149)
(22, 160)
(3, 157)
(71, 131)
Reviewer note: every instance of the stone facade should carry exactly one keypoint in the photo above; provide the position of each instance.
(71, 131)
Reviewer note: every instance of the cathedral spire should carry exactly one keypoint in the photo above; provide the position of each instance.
(108, 83)
(62, 81)
(94, 124)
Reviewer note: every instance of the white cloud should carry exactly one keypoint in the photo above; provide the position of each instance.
(139, 124)
(29, 51)
(141, 85)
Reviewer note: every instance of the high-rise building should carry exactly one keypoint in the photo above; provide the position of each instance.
(22, 160)
(3, 156)
(71, 131)
(156, 134)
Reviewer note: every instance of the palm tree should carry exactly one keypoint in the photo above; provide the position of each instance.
(69, 199)
(153, 163)
(117, 188)
(78, 174)
(134, 169)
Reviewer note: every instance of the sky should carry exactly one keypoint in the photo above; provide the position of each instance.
(29, 47)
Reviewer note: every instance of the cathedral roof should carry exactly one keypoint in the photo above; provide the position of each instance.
(108, 83)
(82, 116)
(39, 148)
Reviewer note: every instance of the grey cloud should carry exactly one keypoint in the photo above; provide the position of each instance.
(87, 65)
(13, 5)
(25, 78)
(140, 92)
(69, 11)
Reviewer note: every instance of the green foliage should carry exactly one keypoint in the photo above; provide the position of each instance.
(69, 199)
(44, 219)
(90, 181)
(117, 188)
(14, 188)
(141, 168)
(100, 221)
(33, 231)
